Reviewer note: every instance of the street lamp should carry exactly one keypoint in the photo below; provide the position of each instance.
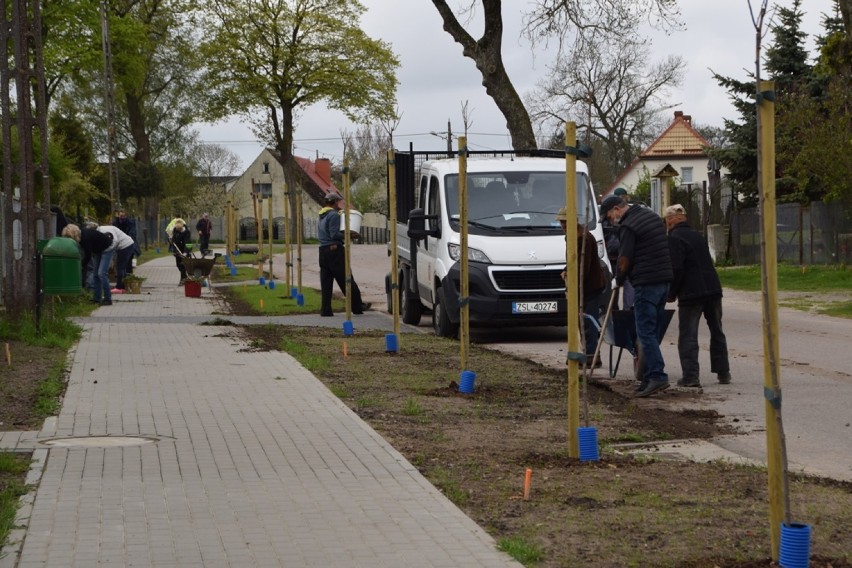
(448, 136)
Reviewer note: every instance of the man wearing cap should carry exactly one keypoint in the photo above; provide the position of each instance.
(332, 259)
(644, 259)
(698, 292)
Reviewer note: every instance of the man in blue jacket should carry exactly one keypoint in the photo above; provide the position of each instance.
(698, 292)
(643, 258)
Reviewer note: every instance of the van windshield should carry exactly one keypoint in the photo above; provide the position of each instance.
(519, 200)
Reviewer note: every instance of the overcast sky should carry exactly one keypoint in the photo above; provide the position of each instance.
(434, 77)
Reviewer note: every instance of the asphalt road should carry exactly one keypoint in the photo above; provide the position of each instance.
(816, 375)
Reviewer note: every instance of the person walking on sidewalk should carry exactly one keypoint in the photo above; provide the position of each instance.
(698, 292)
(644, 259)
(332, 259)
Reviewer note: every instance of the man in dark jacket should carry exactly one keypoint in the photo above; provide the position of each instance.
(180, 237)
(204, 228)
(698, 292)
(643, 257)
(128, 226)
(332, 259)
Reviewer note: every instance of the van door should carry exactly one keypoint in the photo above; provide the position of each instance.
(429, 248)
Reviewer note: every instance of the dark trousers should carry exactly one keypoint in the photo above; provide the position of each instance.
(688, 318)
(179, 263)
(205, 242)
(332, 262)
(122, 259)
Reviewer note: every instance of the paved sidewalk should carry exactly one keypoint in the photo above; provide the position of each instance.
(220, 456)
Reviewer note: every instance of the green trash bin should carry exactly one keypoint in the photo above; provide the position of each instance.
(61, 270)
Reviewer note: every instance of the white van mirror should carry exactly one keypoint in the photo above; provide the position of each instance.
(417, 225)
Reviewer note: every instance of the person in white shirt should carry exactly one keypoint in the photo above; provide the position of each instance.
(122, 244)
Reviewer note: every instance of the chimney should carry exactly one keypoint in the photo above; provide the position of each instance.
(688, 118)
(323, 169)
(678, 113)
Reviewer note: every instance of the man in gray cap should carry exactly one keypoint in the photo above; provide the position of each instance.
(698, 292)
(643, 258)
(332, 258)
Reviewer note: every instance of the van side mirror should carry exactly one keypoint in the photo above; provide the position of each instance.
(417, 225)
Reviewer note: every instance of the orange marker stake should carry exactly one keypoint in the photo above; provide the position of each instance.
(261, 303)
(345, 350)
(527, 481)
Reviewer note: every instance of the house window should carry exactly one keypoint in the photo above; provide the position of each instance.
(686, 175)
(266, 167)
(263, 190)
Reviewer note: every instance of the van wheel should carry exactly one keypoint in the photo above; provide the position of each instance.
(441, 318)
(411, 307)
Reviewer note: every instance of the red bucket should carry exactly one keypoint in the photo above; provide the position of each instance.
(192, 289)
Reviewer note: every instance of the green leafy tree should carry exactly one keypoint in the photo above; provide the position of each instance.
(72, 162)
(71, 38)
(155, 65)
(268, 59)
(739, 155)
(818, 168)
(787, 58)
(786, 64)
(836, 44)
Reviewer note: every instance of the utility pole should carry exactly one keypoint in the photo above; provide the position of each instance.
(449, 137)
(109, 102)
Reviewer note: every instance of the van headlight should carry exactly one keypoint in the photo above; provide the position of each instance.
(473, 254)
(601, 249)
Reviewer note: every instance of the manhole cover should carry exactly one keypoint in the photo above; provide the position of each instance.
(99, 441)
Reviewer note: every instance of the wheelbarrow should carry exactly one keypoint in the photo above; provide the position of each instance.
(199, 267)
(194, 266)
(620, 334)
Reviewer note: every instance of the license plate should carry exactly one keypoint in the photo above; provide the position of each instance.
(534, 308)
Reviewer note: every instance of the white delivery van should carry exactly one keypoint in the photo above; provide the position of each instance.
(516, 247)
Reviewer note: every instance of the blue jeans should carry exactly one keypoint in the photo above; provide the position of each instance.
(102, 262)
(649, 309)
(689, 317)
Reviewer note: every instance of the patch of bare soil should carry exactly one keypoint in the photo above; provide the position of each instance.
(20, 379)
(618, 511)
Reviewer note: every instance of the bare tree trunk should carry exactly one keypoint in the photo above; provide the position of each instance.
(136, 117)
(487, 55)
